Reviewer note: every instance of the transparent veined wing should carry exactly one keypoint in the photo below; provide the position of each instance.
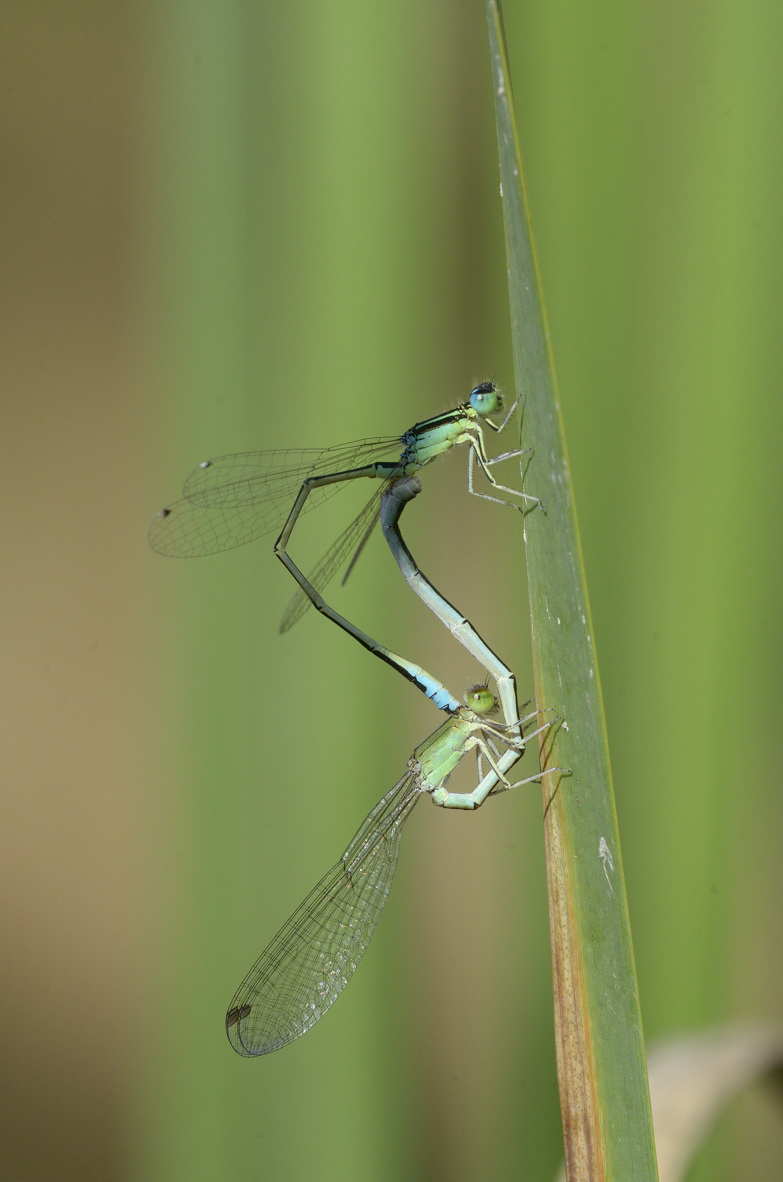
(354, 536)
(311, 959)
(232, 500)
(254, 476)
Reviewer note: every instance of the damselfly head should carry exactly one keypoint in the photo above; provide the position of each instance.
(480, 699)
(485, 399)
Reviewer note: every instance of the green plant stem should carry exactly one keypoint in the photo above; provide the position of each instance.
(607, 1124)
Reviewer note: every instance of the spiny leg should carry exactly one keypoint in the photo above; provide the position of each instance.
(479, 457)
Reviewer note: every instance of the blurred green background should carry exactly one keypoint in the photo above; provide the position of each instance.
(230, 226)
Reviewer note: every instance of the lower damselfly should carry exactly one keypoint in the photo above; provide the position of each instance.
(305, 968)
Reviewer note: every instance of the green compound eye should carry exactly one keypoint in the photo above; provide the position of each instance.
(480, 699)
(485, 399)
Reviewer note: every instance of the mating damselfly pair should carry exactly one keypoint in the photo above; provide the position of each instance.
(234, 499)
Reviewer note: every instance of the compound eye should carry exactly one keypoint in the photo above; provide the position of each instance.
(485, 398)
(480, 699)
